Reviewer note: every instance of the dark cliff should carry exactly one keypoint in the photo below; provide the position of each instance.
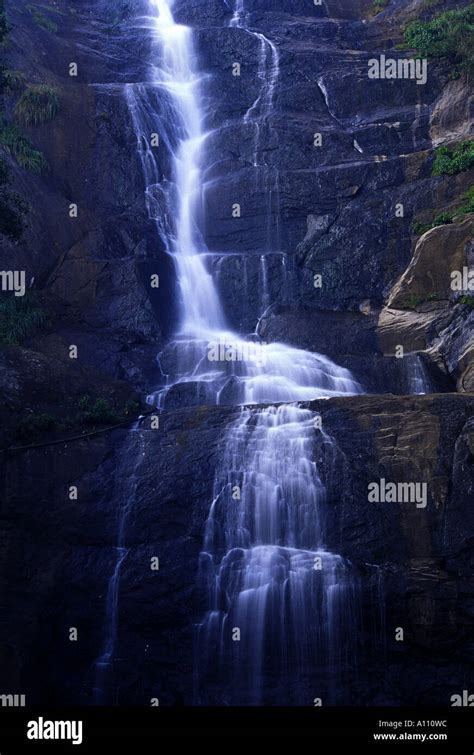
(385, 284)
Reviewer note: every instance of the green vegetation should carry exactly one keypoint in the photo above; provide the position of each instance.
(131, 408)
(466, 299)
(11, 81)
(378, 6)
(17, 145)
(19, 318)
(39, 103)
(41, 19)
(418, 229)
(468, 198)
(32, 426)
(448, 37)
(447, 217)
(414, 301)
(92, 413)
(97, 413)
(444, 218)
(12, 207)
(448, 161)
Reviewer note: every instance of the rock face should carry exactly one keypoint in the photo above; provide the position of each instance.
(439, 252)
(320, 178)
(425, 309)
(98, 263)
(58, 555)
(321, 257)
(38, 387)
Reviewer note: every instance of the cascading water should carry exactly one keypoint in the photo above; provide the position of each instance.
(281, 605)
(102, 672)
(264, 561)
(418, 380)
(280, 373)
(238, 19)
(257, 118)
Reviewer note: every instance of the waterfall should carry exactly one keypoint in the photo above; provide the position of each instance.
(264, 282)
(418, 380)
(281, 604)
(103, 669)
(239, 14)
(264, 562)
(257, 116)
(172, 73)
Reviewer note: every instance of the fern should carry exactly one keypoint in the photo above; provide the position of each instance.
(39, 103)
(19, 318)
(17, 145)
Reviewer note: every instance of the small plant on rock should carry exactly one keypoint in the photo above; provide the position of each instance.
(17, 145)
(38, 104)
(19, 318)
(449, 161)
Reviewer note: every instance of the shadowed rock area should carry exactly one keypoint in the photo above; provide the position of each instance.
(320, 258)
(57, 554)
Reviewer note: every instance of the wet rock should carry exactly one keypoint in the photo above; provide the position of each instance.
(425, 312)
(428, 278)
(422, 555)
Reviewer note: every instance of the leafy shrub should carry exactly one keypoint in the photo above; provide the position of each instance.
(449, 216)
(39, 103)
(379, 5)
(444, 218)
(17, 145)
(414, 301)
(420, 228)
(98, 413)
(449, 37)
(131, 408)
(11, 81)
(468, 198)
(448, 161)
(19, 318)
(29, 428)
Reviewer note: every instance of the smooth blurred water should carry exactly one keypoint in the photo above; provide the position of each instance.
(419, 382)
(125, 494)
(267, 573)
